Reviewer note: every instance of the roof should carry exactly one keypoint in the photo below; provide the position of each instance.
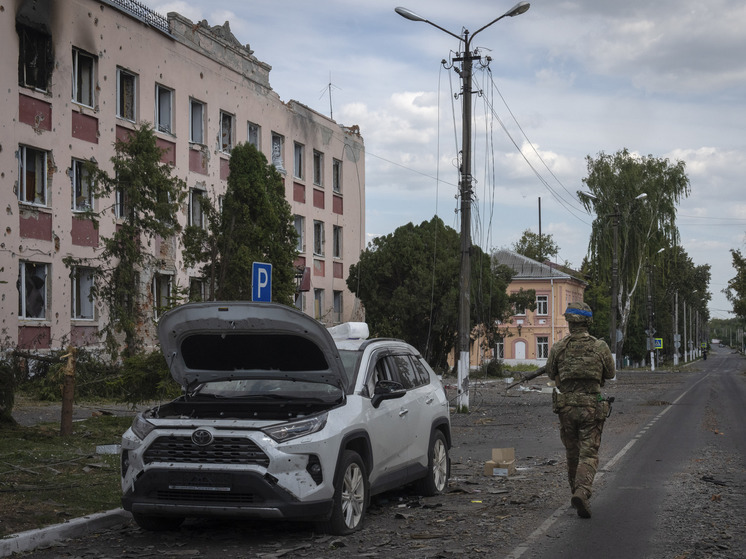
(527, 268)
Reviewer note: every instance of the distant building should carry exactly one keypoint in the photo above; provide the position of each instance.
(80, 74)
(531, 334)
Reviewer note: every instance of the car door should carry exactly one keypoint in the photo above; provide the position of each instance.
(388, 425)
(417, 408)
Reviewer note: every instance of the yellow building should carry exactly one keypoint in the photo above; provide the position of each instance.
(531, 334)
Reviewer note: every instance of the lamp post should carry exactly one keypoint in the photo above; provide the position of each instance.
(467, 59)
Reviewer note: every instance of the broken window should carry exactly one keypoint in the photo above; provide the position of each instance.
(82, 191)
(226, 132)
(337, 242)
(318, 304)
(163, 106)
(318, 238)
(83, 77)
(161, 291)
(318, 168)
(253, 135)
(300, 228)
(32, 289)
(32, 187)
(278, 144)
(196, 122)
(298, 160)
(120, 204)
(196, 290)
(126, 94)
(34, 58)
(82, 293)
(338, 306)
(196, 214)
(337, 176)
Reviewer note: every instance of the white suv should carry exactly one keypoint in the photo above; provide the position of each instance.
(282, 418)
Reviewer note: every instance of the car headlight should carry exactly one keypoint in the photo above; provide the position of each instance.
(295, 429)
(141, 426)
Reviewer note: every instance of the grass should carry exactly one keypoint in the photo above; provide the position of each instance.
(46, 479)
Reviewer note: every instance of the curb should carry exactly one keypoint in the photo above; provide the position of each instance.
(31, 539)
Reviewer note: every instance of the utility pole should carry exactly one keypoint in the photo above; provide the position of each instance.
(467, 58)
(651, 342)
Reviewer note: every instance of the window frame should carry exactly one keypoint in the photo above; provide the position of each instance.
(278, 149)
(542, 347)
(318, 238)
(227, 120)
(76, 295)
(337, 306)
(257, 142)
(77, 77)
(196, 286)
(193, 103)
(299, 222)
(29, 62)
(542, 301)
(23, 295)
(78, 173)
(299, 156)
(121, 93)
(23, 177)
(195, 203)
(158, 295)
(318, 303)
(337, 176)
(318, 168)
(160, 92)
(337, 238)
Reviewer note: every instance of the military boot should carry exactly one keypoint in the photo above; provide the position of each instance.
(580, 503)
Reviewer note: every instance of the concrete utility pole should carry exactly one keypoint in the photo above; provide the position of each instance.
(467, 58)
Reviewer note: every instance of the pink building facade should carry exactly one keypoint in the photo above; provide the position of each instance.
(531, 334)
(80, 74)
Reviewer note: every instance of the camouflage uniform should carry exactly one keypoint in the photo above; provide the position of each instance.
(580, 364)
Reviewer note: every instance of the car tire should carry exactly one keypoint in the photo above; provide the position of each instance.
(157, 523)
(350, 496)
(435, 481)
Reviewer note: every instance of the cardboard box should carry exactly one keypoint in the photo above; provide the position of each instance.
(502, 463)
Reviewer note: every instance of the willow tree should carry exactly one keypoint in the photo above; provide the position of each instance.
(635, 199)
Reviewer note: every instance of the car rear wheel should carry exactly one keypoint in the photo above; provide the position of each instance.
(438, 467)
(157, 523)
(350, 495)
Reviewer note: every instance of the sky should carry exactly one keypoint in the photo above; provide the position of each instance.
(566, 80)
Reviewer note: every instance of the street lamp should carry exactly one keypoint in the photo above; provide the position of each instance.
(465, 189)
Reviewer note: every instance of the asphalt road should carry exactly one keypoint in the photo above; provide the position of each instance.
(671, 485)
(643, 505)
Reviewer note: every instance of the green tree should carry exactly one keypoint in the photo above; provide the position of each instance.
(617, 184)
(539, 248)
(736, 290)
(255, 225)
(408, 282)
(150, 199)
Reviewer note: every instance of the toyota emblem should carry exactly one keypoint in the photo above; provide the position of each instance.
(202, 437)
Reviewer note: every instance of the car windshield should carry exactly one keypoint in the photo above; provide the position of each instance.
(271, 389)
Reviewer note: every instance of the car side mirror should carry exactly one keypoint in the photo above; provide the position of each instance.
(387, 390)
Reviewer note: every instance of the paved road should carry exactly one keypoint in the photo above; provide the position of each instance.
(643, 504)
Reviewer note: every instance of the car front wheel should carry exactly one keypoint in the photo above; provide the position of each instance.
(438, 467)
(350, 495)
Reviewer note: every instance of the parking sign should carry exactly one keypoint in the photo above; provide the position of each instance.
(261, 282)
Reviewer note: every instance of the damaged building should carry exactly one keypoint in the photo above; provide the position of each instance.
(88, 73)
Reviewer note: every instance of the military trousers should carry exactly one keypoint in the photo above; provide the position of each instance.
(580, 431)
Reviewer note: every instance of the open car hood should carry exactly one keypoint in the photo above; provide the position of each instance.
(215, 341)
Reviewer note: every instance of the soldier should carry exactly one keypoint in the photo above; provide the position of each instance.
(580, 365)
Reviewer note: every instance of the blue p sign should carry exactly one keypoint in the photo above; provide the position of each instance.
(261, 282)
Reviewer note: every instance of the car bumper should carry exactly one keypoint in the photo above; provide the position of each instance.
(199, 493)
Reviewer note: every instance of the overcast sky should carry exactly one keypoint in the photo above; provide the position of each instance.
(567, 79)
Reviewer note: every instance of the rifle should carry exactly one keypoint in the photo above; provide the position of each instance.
(538, 372)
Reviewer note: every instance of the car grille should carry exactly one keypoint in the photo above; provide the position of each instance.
(207, 497)
(223, 450)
